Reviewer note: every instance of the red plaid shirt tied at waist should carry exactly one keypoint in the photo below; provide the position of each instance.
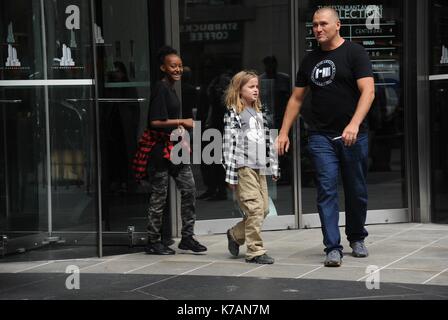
(147, 141)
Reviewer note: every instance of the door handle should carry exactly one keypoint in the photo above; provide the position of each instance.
(109, 100)
(11, 101)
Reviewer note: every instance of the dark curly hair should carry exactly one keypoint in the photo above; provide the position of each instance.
(165, 51)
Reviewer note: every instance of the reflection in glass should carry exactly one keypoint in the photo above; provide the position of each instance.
(439, 111)
(73, 159)
(439, 150)
(123, 64)
(24, 206)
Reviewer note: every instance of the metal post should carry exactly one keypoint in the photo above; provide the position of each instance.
(410, 109)
(297, 44)
(423, 112)
(97, 133)
(47, 120)
(172, 37)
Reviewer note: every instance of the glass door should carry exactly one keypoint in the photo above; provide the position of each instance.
(48, 193)
(127, 35)
(217, 40)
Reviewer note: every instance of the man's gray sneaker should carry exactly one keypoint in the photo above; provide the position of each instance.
(232, 245)
(334, 259)
(359, 249)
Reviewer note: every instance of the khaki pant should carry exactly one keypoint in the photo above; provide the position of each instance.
(252, 196)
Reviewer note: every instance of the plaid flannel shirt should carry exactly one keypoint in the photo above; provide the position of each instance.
(146, 142)
(233, 150)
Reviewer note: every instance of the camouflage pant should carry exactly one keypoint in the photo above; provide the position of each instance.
(159, 180)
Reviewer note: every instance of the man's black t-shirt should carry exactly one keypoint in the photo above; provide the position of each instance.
(164, 104)
(332, 76)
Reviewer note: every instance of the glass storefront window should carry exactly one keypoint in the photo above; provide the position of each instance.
(69, 39)
(21, 40)
(382, 38)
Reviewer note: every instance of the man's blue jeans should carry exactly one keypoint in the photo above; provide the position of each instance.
(330, 157)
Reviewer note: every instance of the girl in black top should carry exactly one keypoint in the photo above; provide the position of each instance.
(164, 117)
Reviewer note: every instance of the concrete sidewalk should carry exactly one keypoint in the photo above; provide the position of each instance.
(412, 262)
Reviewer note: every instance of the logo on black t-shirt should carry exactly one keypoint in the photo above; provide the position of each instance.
(323, 73)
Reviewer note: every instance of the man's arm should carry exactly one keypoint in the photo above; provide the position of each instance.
(173, 123)
(292, 111)
(367, 88)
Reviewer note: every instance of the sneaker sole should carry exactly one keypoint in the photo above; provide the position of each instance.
(251, 261)
(332, 264)
(161, 254)
(190, 251)
(182, 251)
(359, 255)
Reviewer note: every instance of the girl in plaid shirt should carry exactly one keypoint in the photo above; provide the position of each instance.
(248, 156)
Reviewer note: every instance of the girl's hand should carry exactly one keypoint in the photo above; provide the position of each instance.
(274, 178)
(181, 130)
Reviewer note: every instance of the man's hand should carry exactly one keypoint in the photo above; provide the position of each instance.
(367, 88)
(350, 134)
(232, 186)
(282, 144)
(291, 113)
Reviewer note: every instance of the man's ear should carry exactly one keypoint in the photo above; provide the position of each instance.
(162, 67)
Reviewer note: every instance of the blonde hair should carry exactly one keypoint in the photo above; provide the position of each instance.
(233, 92)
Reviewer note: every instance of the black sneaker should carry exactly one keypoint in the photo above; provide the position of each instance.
(159, 249)
(232, 245)
(263, 259)
(192, 244)
(168, 242)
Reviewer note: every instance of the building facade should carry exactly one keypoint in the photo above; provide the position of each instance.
(75, 82)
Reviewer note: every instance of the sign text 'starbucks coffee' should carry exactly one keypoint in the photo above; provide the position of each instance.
(216, 32)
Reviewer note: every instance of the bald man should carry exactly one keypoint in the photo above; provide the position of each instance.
(339, 75)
